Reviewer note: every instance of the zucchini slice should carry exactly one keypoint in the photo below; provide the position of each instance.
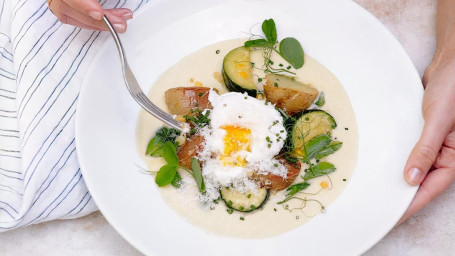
(238, 73)
(244, 202)
(309, 124)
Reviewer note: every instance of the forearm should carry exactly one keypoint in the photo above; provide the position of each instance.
(445, 31)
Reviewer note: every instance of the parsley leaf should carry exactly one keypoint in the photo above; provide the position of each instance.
(164, 134)
(176, 181)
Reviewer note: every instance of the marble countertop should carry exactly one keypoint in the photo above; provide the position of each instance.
(429, 232)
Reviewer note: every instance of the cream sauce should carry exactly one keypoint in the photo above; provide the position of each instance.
(203, 67)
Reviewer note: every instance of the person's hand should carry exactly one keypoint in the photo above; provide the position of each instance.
(88, 14)
(432, 161)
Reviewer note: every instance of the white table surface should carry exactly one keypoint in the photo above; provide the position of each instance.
(429, 232)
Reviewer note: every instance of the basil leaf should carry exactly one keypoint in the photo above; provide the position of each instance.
(292, 52)
(330, 149)
(170, 154)
(154, 148)
(294, 189)
(317, 144)
(321, 100)
(176, 181)
(255, 43)
(165, 175)
(321, 169)
(197, 174)
(269, 29)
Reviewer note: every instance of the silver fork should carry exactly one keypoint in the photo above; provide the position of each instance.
(134, 88)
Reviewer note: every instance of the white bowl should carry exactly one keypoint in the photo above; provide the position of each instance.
(378, 76)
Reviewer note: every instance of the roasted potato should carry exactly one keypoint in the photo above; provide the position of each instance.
(277, 183)
(186, 100)
(288, 94)
(190, 149)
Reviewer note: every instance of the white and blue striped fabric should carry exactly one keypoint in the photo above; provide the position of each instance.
(42, 65)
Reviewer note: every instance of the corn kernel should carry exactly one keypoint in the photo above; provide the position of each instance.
(218, 77)
(299, 152)
(324, 184)
(180, 118)
(198, 84)
(191, 80)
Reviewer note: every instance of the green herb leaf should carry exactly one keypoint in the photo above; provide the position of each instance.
(321, 100)
(294, 189)
(154, 148)
(317, 144)
(321, 169)
(176, 181)
(330, 149)
(256, 43)
(269, 29)
(164, 134)
(292, 52)
(197, 174)
(167, 134)
(170, 154)
(200, 119)
(165, 175)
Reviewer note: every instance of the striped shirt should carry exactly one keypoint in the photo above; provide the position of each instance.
(42, 65)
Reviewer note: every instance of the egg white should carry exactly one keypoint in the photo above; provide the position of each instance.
(267, 137)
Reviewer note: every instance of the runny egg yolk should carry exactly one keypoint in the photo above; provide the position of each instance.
(236, 140)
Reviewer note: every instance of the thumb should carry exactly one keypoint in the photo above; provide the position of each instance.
(426, 150)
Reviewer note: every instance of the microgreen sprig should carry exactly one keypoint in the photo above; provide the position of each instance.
(289, 48)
